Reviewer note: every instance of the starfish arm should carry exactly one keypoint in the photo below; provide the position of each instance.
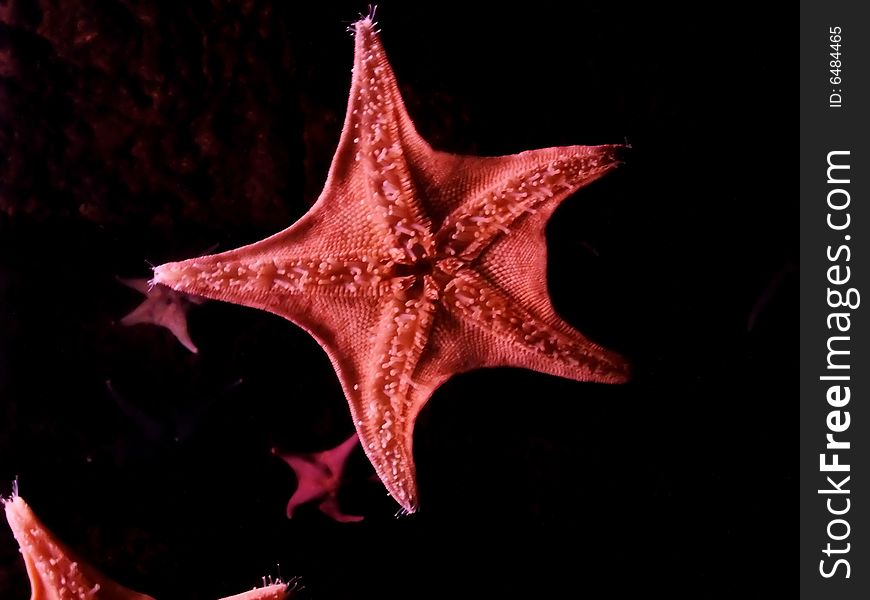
(282, 270)
(371, 167)
(138, 284)
(54, 570)
(336, 458)
(144, 313)
(369, 208)
(304, 467)
(504, 191)
(331, 509)
(276, 591)
(163, 307)
(305, 493)
(174, 318)
(386, 400)
(501, 332)
(339, 301)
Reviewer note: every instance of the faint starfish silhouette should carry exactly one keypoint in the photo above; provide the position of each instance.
(319, 476)
(164, 307)
(56, 573)
(177, 427)
(414, 265)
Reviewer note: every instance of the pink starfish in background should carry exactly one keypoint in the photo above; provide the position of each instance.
(319, 477)
(56, 573)
(164, 307)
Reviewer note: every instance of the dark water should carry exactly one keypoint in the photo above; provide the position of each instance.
(131, 136)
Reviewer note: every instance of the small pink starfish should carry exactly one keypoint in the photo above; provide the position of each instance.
(164, 307)
(319, 478)
(56, 573)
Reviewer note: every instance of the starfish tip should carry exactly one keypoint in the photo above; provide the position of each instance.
(407, 502)
(622, 376)
(619, 371)
(165, 275)
(275, 591)
(366, 27)
(16, 510)
(614, 155)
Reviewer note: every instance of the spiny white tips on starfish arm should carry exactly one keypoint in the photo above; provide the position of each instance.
(406, 496)
(365, 24)
(169, 274)
(55, 572)
(277, 591)
(206, 276)
(395, 467)
(224, 276)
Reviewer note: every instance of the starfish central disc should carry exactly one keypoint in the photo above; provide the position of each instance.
(414, 265)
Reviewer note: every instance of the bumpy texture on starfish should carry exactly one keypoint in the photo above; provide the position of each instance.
(56, 573)
(275, 591)
(319, 476)
(414, 265)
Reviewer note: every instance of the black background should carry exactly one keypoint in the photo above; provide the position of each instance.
(684, 260)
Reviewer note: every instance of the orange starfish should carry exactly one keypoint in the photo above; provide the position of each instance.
(56, 573)
(414, 265)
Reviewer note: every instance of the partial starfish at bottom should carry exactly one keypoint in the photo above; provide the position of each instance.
(414, 265)
(56, 573)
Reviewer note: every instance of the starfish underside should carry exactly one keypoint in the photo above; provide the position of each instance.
(414, 265)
